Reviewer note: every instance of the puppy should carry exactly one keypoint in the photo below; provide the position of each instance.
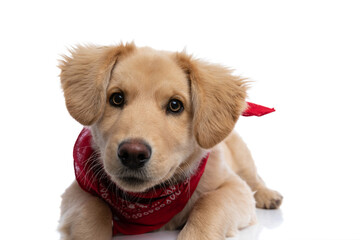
(159, 151)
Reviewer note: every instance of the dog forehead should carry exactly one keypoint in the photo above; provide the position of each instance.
(149, 68)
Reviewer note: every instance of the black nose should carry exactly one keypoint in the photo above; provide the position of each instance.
(134, 153)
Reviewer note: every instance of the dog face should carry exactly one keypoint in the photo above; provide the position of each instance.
(145, 129)
(151, 113)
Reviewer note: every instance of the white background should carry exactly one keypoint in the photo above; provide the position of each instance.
(303, 58)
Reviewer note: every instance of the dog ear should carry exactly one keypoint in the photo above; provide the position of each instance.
(218, 99)
(85, 76)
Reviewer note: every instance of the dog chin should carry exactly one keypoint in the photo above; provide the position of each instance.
(134, 184)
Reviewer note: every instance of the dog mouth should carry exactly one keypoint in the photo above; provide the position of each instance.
(138, 181)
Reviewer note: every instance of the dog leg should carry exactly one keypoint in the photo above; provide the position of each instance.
(219, 213)
(243, 164)
(84, 216)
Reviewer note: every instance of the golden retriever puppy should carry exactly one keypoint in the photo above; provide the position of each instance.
(158, 150)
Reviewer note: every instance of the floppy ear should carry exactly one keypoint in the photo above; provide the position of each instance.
(85, 76)
(218, 99)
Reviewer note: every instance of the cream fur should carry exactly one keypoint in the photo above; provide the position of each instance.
(213, 99)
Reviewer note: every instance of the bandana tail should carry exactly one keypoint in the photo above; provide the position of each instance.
(256, 110)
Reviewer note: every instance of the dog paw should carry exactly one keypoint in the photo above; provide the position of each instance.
(268, 199)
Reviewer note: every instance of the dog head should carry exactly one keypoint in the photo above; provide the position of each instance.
(152, 113)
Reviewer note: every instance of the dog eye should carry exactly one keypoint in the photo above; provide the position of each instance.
(175, 106)
(117, 99)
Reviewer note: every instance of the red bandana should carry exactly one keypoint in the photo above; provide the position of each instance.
(137, 213)
(133, 213)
